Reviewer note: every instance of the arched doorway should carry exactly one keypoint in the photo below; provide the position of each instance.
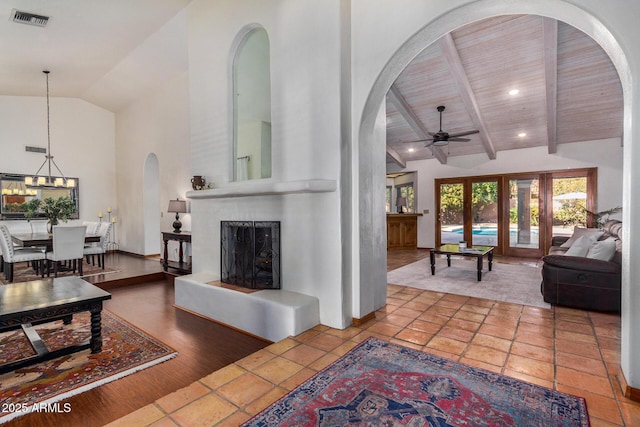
(369, 136)
(151, 205)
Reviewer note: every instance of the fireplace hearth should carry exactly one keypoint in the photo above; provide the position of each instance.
(250, 254)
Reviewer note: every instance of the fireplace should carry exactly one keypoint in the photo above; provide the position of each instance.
(250, 254)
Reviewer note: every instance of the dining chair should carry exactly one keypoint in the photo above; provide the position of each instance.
(99, 248)
(68, 245)
(11, 255)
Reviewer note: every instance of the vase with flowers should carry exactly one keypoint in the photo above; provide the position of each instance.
(55, 210)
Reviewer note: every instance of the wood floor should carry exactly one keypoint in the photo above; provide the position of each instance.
(203, 347)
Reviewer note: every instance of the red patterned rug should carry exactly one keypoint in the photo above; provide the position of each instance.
(125, 350)
(383, 384)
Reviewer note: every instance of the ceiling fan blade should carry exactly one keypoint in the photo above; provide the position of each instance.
(469, 132)
(459, 139)
(416, 140)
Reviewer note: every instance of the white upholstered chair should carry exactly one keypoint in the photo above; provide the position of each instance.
(99, 248)
(11, 255)
(68, 245)
(92, 226)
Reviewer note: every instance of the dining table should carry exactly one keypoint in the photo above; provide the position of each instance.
(44, 239)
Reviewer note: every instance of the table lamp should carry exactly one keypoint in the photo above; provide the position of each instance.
(178, 206)
(400, 203)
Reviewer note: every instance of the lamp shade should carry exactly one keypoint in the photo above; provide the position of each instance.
(177, 206)
(401, 201)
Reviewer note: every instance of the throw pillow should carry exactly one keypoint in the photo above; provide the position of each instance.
(603, 250)
(592, 233)
(580, 247)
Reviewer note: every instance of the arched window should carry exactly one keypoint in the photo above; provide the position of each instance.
(252, 108)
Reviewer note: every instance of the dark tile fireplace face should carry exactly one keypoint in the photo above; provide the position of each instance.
(250, 254)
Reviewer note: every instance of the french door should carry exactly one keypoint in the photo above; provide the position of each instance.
(468, 210)
(515, 213)
(523, 228)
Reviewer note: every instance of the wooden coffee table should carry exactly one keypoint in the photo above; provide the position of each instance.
(474, 251)
(25, 304)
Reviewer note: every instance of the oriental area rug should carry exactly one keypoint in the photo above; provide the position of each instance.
(383, 384)
(514, 283)
(125, 350)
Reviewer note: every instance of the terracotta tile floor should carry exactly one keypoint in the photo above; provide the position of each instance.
(573, 351)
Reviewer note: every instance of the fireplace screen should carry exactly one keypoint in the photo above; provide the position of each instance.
(250, 254)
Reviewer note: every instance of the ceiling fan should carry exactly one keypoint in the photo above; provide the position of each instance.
(441, 137)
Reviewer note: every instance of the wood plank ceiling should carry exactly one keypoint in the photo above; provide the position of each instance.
(569, 91)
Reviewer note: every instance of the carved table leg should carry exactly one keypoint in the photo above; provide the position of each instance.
(165, 261)
(96, 329)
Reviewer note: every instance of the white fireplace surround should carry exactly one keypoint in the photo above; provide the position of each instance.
(308, 287)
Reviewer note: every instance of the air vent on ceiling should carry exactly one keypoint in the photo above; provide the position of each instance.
(29, 18)
(32, 149)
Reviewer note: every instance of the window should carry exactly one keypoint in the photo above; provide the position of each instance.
(406, 191)
(388, 198)
(252, 108)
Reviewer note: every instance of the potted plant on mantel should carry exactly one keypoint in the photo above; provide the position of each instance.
(54, 210)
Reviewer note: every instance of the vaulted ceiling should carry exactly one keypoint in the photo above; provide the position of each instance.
(568, 91)
(107, 52)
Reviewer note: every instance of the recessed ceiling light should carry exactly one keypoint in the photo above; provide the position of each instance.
(513, 92)
(522, 134)
(411, 150)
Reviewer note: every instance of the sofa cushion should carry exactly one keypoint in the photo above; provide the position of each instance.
(580, 247)
(603, 250)
(613, 228)
(592, 233)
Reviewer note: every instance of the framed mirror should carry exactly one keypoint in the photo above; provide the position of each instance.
(16, 192)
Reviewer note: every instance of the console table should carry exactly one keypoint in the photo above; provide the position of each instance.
(182, 237)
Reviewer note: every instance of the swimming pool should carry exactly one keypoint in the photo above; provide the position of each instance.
(489, 231)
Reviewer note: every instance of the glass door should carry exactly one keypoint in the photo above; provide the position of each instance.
(524, 205)
(468, 210)
(569, 204)
(450, 221)
(484, 213)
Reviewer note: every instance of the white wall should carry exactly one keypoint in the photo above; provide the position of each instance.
(606, 155)
(305, 124)
(158, 124)
(82, 143)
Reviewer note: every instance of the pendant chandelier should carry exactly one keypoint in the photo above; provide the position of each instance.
(48, 180)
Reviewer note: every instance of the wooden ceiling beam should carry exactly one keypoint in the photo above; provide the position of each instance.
(550, 30)
(414, 121)
(396, 157)
(452, 58)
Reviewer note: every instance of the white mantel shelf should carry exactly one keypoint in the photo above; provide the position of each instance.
(245, 189)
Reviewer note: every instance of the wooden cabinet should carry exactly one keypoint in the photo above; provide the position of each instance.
(402, 231)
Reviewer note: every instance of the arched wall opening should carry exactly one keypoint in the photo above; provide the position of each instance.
(151, 205)
(369, 136)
